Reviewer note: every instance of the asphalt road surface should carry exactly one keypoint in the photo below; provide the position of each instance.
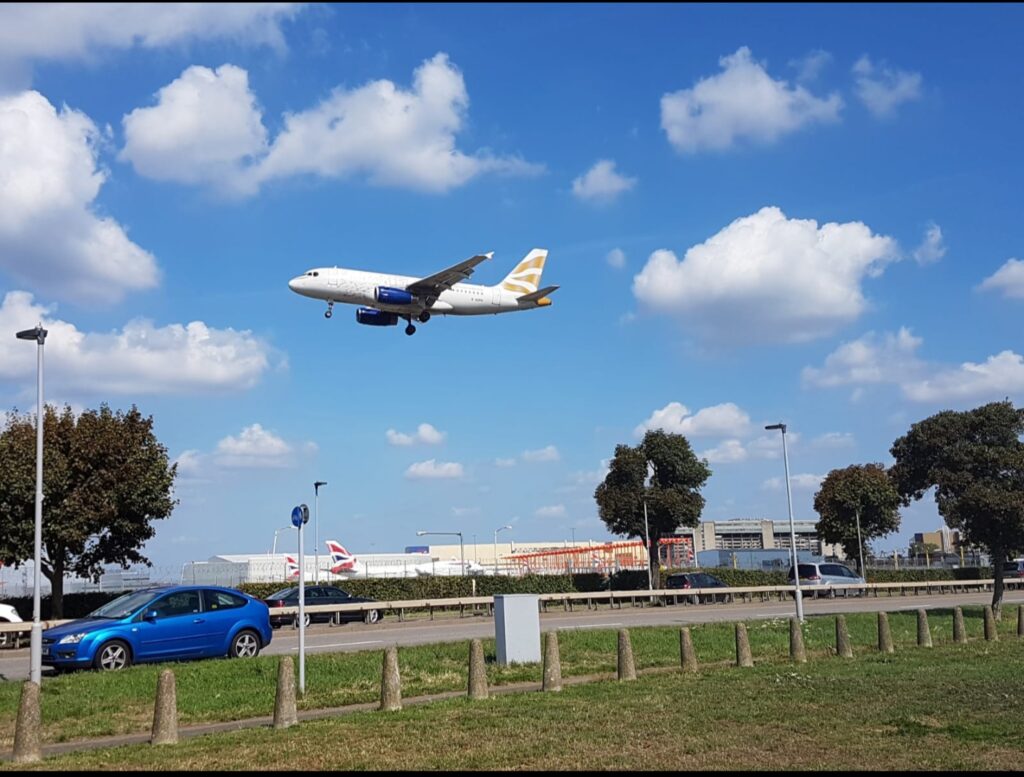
(14, 664)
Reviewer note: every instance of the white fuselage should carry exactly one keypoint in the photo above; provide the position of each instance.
(357, 287)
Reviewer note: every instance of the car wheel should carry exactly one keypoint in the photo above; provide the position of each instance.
(372, 616)
(295, 621)
(112, 656)
(246, 644)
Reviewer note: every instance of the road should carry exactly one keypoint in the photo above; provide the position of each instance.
(14, 664)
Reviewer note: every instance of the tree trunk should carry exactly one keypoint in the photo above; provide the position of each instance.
(56, 578)
(998, 562)
(652, 559)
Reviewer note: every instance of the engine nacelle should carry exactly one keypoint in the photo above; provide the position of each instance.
(374, 317)
(387, 295)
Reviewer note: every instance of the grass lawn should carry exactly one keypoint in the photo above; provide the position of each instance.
(951, 706)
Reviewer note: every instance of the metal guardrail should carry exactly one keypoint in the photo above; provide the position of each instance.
(637, 598)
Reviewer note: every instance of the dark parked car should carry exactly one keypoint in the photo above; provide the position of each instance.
(319, 594)
(698, 580)
(166, 623)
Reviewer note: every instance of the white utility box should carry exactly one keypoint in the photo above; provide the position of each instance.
(517, 628)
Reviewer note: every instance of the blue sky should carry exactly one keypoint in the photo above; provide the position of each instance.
(807, 214)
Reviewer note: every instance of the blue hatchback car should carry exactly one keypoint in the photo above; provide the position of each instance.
(169, 623)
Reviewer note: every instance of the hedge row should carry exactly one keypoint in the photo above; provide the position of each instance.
(77, 605)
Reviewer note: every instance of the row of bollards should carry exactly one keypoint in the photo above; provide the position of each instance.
(27, 746)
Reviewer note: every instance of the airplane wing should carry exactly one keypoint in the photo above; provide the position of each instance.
(433, 285)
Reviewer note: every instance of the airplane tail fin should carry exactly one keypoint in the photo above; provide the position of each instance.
(525, 278)
(291, 567)
(341, 560)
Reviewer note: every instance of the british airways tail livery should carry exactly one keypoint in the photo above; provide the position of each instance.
(383, 298)
(342, 562)
(291, 568)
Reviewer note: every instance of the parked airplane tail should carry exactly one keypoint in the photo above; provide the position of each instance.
(525, 278)
(292, 567)
(341, 559)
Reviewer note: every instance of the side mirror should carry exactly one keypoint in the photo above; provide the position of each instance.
(150, 616)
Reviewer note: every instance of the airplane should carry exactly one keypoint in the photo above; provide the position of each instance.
(386, 298)
(451, 568)
(343, 562)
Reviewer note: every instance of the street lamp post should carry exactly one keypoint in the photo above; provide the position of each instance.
(496, 546)
(792, 529)
(273, 550)
(860, 545)
(462, 550)
(36, 638)
(316, 530)
(647, 541)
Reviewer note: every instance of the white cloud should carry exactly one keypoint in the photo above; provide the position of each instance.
(931, 248)
(601, 183)
(425, 433)
(80, 31)
(770, 446)
(810, 66)
(723, 419)
(189, 463)
(805, 482)
(254, 448)
(999, 376)
(204, 128)
(741, 103)
(881, 88)
(550, 453)
(431, 469)
(1009, 279)
(551, 511)
(726, 452)
(793, 280)
(504, 463)
(834, 440)
(50, 236)
(139, 359)
(616, 258)
(869, 359)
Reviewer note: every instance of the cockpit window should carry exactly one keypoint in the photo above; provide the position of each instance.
(313, 273)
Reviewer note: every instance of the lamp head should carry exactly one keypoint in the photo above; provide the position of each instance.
(772, 427)
(319, 483)
(420, 533)
(38, 334)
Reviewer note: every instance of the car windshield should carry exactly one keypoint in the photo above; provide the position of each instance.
(284, 593)
(125, 605)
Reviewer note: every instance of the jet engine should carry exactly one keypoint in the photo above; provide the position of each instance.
(374, 317)
(389, 296)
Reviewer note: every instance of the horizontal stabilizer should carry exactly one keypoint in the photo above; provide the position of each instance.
(537, 296)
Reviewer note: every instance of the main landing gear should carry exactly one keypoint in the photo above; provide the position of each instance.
(424, 317)
(330, 309)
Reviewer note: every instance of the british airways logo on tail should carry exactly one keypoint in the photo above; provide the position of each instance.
(341, 559)
(292, 569)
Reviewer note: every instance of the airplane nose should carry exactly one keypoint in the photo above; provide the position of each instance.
(293, 284)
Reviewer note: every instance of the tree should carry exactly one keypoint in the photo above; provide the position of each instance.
(105, 479)
(975, 461)
(858, 490)
(673, 493)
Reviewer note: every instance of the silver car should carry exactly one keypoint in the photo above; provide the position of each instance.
(828, 574)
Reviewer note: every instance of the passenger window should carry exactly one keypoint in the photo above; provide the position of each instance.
(178, 603)
(221, 600)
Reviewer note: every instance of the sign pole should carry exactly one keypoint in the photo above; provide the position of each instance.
(300, 515)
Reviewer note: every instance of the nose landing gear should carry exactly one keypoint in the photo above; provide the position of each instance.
(330, 309)
(410, 329)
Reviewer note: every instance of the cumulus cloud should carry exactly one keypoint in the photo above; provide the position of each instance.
(388, 135)
(766, 277)
(741, 103)
(256, 448)
(551, 511)
(882, 89)
(932, 247)
(888, 358)
(549, 453)
(726, 452)
(434, 470)
(616, 258)
(601, 183)
(810, 66)
(997, 377)
(1008, 279)
(770, 447)
(204, 128)
(140, 359)
(805, 482)
(51, 238)
(425, 434)
(80, 31)
(724, 419)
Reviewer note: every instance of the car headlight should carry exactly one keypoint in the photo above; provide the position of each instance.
(72, 639)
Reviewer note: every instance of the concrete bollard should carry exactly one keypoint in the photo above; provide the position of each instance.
(285, 714)
(165, 714)
(552, 680)
(991, 635)
(477, 672)
(28, 725)
(843, 649)
(743, 657)
(924, 634)
(797, 652)
(884, 634)
(687, 655)
(959, 633)
(627, 669)
(1020, 621)
(391, 681)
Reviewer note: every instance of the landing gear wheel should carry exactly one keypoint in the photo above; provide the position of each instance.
(410, 330)
(330, 309)
(424, 317)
